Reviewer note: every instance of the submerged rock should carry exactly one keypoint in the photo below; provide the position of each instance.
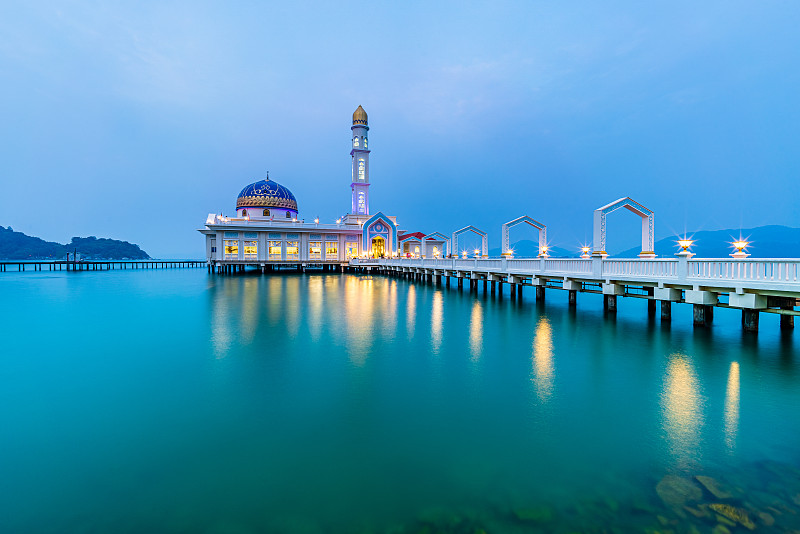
(534, 514)
(720, 529)
(766, 518)
(720, 491)
(677, 491)
(734, 514)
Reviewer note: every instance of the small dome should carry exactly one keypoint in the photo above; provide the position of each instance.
(360, 116)
(266, 194)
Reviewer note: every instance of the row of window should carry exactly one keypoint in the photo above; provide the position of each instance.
(266, 214)
(274, 249)
(356, 142)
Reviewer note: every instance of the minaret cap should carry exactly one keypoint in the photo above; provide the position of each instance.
(360, 116)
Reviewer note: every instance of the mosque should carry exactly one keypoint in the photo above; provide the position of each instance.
(268, 228)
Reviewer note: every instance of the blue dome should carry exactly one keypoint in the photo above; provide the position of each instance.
(266, 194)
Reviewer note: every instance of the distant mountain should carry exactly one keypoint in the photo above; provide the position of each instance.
(18, 246)
(526, 248)
(766, 242)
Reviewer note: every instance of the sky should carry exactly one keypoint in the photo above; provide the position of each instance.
(135, 120)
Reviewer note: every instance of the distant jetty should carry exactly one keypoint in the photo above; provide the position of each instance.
(19, 246)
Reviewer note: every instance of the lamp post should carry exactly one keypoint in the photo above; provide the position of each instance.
(586, 252)
(685, 244)
(543, 251)
(740, 245)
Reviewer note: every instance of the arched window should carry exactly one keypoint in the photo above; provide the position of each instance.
(266, 213)
(288, 215)
(355, 142)
(365, 141)
(244, 213)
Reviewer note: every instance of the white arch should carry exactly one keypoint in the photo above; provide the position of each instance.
(628, 203)
(525, 219)
(470, 228)
(441, 237)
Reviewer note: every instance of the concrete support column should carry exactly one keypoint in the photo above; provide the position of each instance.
(666, 311)
(610, 304)
(573, 298)
(787, 321)
(494, 287)
(484, 286)
(447, 281)
(513, 288)
(750, 320)
(540, 293)
(519, 290)
(702, 314)
(460, 283)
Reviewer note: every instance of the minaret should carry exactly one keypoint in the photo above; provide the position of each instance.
(360, 156)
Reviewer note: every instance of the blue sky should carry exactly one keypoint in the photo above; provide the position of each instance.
(135, 120)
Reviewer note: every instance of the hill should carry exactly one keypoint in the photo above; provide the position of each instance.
(18, 246)
(771, 241)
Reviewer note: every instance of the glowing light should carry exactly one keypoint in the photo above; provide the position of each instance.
(685, 243)
(464, 254)
(740, 245)
(543, 250)
(316, 220)
(477, 252)
(338, 221)
(585, 251)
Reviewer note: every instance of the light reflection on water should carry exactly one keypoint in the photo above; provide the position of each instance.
(732, 406)
(436, 321)
(476, 331)
(328, 403)
(543, 367)
(683, 410)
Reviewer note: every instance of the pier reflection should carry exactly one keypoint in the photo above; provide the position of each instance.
(682, 408)
(732, 406)
(543, 368)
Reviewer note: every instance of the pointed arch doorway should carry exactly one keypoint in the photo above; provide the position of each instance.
(378, 247)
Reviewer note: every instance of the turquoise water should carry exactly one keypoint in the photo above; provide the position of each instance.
(177, 401)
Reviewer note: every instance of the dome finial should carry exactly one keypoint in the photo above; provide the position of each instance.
(360, 116)
(268, 176)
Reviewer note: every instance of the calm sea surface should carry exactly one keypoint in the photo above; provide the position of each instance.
(177, 401)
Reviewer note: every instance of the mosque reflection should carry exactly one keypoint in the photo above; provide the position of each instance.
(682, 408)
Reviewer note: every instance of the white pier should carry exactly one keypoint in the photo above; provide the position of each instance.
(752, 285)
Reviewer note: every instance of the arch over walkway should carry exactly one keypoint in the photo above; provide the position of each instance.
(628, 203)
(527, 220)
(438, 236)
(470, 228)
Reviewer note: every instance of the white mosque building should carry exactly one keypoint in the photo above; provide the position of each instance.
(268, 228)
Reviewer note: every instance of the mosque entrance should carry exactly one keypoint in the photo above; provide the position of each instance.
(378, 249)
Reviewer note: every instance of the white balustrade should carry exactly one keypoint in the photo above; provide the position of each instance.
(767, 270)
